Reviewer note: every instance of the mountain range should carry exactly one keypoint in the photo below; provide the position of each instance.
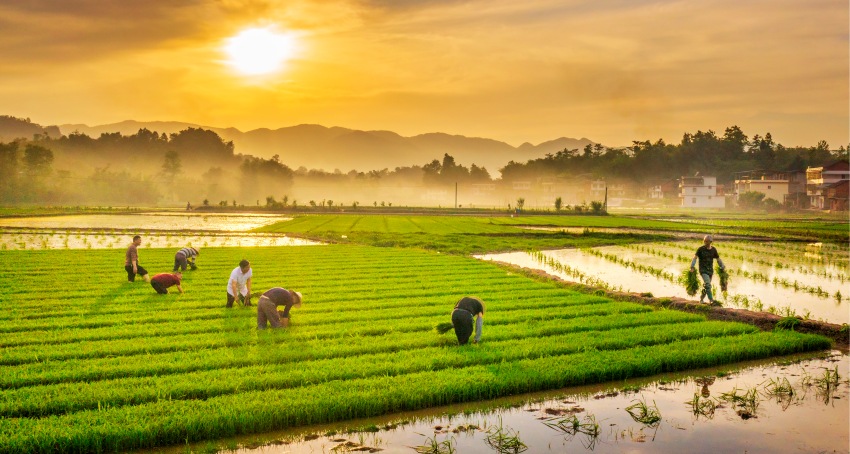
(331, 148)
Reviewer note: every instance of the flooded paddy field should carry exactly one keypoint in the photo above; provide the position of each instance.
(108, 231)
(147, 221)
(810, 281)
(791, 404)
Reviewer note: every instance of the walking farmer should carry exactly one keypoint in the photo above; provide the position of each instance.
(706, 254)
(268, 304)
(239, 285)
(161, 282)
(186, 257)
(131, 261)
(465, 310)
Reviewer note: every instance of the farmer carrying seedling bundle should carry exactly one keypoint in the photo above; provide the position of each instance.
(186, 257)
(162, 281)
(462, 315)
(268, 304)
(706, 255)
(239, 284)
(131, 261)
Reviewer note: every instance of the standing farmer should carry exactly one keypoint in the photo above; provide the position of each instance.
(465, 309)
(161, 282)
(239, 285)
(184, 257)
(131, 261)
(272, 299)
(706, 255)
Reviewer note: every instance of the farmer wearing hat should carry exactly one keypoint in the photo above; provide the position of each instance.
(186, 257)
(706, 255)
(273, 298)
(465, 310)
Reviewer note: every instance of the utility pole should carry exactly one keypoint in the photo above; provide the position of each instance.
(605, 205)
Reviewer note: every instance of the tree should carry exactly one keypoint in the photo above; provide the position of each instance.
(558, 203)
(37, 160)
(8, 171)
(520, 202)
(171, 165)
(751, 200)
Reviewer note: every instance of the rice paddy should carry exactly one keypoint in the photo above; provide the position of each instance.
(94, 363)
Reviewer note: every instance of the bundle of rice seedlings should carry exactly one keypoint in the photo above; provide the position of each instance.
(724, 277)
(444, 327)
(690, 281)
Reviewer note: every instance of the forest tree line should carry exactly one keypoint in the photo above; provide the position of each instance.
(149, 168)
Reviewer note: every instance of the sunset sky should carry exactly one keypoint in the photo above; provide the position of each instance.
(517, 71)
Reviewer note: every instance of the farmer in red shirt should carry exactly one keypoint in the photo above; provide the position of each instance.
(162, 281)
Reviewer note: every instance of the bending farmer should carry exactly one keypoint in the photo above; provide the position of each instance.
(465, 309)
(706, 255)
(162, 281)
(131, 261)
(267, 312)
(239, 285)
(186, 257)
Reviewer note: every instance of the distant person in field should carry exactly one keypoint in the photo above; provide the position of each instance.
(270, 301)
(465, 310)
(161, 282)
(239, 285)
(706, 254)
(186, 257)
(131, 261)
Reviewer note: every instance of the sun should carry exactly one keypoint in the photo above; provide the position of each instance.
(259, 51)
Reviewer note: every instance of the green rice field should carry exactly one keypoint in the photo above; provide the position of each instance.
(92, 363)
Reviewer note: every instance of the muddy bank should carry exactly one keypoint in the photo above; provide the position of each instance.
(763, 320)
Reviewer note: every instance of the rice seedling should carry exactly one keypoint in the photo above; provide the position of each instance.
(690, 281)
(647, 415)
(789, 322)
(746, 402)
(504, 440)
(701, 406)
(432, 446)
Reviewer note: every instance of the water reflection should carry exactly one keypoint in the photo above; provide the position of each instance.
(696, 414)
(159, 221)
(86, 240)
(742, 292)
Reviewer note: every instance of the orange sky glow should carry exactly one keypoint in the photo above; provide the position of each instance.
(516, 71)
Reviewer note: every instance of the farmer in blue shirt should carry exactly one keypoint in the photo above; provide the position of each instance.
(706, 255)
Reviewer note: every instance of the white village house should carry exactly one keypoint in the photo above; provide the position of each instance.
(701, 192)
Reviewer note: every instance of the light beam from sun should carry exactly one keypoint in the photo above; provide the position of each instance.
(259, 51)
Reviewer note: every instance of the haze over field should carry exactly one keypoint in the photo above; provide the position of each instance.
(509, 71)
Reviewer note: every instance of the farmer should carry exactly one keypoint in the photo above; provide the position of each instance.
(267, 312)
(184, 257)
(706, 255)
(465, 309)
(239, 285)
(161, 282)
(131, 261)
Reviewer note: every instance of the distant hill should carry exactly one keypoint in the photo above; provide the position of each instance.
(12, 128)
(330, 148)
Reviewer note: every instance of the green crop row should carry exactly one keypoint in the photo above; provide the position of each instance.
(168, 421)
(93, 363)
(39, 401)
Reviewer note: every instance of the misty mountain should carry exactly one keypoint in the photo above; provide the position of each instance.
(12, 128)
(330, 148)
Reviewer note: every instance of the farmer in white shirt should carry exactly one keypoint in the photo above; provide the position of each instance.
(239, 285)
